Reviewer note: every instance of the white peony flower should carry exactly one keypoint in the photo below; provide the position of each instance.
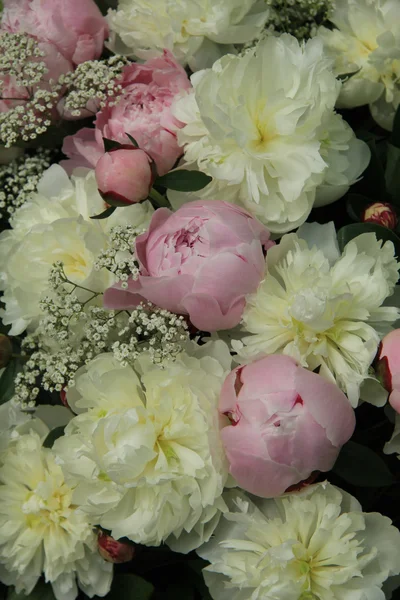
(192, 29)
(366, 43)
(41, 530)
(262, 125)
(145, 453)
(321, 307)
(55, 225)
(315, 544)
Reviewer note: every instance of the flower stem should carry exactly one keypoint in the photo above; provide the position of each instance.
(158, 200)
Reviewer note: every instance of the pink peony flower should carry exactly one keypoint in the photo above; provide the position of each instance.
(200, 261)
(388, 366)
(286, 423)
(143, 111)
(125, 174)
(75, 27)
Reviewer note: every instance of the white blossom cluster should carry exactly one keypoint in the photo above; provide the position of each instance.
(118, 257)
(93, 84)
(19, 58)
(19, 179)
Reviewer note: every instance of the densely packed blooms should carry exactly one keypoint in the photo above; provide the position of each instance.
(199, 266)
(263, 126)
(313, 544)
(42, 529)
(321, 307)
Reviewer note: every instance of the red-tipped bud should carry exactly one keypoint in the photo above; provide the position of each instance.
(5, 350)
(381, 213)
(63, 398)
(113, 551)
(304, 483)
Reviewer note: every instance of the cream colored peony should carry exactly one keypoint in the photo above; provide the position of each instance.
(42, 531)
(366, 45)
(313, 545)
(55, 225)
(144, 451)
(192, 29)
(322, 308)
(263, 126)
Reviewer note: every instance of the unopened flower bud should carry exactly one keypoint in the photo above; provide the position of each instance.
(387, 366)
(125, 175)
(381, 213)
(113, 551)
(5, 350)
(63, 398)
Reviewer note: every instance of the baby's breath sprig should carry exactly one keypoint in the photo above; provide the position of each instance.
(300, 18)
(119, 257)
(93, 84)
(19, 179)
(35, 96)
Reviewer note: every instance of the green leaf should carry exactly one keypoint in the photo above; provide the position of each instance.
(356, 204)
(184, 180)
(110, 144)
(130, 587)
(395, 137)
(373, 183)
(42, 591)
(112, 200)
(132, 139)
(105, 5)
(54, 434)
(392, 174)
(7, 380)
(349, 232)
(361, 466)
(105, 214)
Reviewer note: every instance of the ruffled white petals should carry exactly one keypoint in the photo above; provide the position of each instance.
(144, 453)
(197, 32)
(312, 544)
(42, 531)
(323, 310)
(55, 225)
(366, 44)
(263, 127)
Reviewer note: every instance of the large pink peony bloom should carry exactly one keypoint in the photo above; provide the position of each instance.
(75, 27)
(143, 111)
(286, 423)
(389, 366)
(200, 261)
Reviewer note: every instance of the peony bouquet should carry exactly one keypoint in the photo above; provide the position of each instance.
(200, 309)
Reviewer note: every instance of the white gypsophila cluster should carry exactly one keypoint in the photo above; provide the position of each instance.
(263, 126)
(365, 44)
(321, 307)
(55, 224)
(156, 331)
(144, 453)
(19, 179)
(300, 18)
(316, 544)
(20, 58)
(93, 84)
(26, 108)
(119, 257)
(42, 530)
(196, 32)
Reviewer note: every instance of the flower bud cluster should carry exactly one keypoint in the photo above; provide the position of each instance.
(95, 81)
(19, 179)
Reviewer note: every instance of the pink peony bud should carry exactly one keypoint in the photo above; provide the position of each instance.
(5, 350)
(381, 213)
(113, 551)
(388, 366)
(286, 423)
(125, 174)
(63, 398)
